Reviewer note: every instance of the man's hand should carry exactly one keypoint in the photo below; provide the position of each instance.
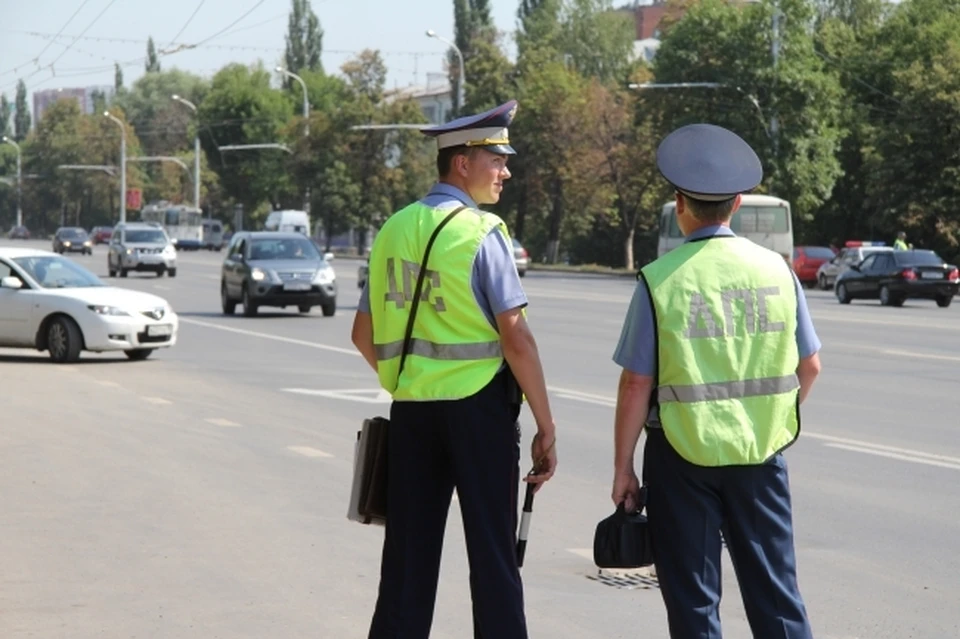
(543, 451)
(626, 490)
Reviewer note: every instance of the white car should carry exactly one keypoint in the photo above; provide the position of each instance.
(51, 303)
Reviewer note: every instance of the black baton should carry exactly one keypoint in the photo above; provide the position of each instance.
(525, 523)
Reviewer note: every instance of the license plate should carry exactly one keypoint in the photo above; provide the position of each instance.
(296, 286)
(931, 275)
(159, 329)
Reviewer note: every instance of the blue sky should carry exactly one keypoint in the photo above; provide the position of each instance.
(396, 27)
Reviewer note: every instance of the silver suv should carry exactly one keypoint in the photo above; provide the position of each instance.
(136, 246)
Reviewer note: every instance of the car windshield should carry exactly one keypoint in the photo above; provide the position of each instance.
(918, 258)
(818, 252)
(70, 234)
(298, 248)
(146, 236)
(53, 271)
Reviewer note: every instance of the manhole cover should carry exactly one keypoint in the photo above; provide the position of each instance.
(644, 580)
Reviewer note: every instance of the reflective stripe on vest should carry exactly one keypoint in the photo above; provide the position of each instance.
(455, 349)
(728, 390)
(726, 318)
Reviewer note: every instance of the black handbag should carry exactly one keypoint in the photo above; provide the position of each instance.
(368, 499)
(622, 540)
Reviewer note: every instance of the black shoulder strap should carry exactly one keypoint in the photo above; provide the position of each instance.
(416, 294)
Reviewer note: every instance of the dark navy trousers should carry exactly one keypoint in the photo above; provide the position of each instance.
(688, 506)
(471, 445)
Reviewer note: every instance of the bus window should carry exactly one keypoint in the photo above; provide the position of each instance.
(173, 217)
(668, 225)
(760, 219)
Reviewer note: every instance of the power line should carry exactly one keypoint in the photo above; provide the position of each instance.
(185, 24)
(93, 22)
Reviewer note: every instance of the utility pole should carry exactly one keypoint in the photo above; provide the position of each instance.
(774, 121)
(19, 179)
(123, 166)
(196, 151)
(306, 125)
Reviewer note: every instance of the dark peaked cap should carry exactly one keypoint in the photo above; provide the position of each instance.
(708, 162)
(487, 130)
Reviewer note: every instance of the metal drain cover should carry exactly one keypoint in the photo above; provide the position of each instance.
(627, 580)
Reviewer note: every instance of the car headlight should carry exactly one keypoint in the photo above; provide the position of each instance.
(169, 250)
(130, 251)
(324, 276)
(66, 242)
(88, 243)
(258, 275)
(100, 309)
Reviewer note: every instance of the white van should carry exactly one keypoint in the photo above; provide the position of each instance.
(762, 219)
(288, 222)
(212, 234)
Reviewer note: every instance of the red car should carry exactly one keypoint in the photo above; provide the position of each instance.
(806, 261)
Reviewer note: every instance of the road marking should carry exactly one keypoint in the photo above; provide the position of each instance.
(220, 421)
(104, 382)
(161, 287)
(363, 395)
(862, 446)
(948, 358)
(864, 320)
(156, 400)
(586, 553)
(211, 277)
(580, 396)
(907, 458)
(276, 338)
(306, 451)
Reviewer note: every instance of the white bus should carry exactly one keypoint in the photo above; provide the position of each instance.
(762, 219)
(184, 224)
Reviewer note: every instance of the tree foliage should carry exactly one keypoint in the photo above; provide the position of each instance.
(304, 40)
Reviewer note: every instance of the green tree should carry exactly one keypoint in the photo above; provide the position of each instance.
(153, 64)
(241, 108)
(161, 122)
(597, 40)
(21, 119)
(117, 78)
(539, 25)
(304, 40)
(6, 112)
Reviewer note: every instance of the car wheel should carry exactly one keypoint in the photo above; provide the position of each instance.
(249, 308)
(822, 282)
(885, 298)
(228, 305)
(111, 272)
(123, 272)
(159, 272)
(64, 340)
(329, 308)
(304, 308)
(522, 273)
(138, 354)
(943, 301)
(842, 295)
(172, 272)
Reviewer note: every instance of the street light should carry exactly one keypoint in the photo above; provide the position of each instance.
(306, 123)
(19, 179)
(463, 74)
(196, 152)
(123, 166)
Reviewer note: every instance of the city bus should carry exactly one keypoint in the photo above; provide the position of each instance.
(762, 219)
(184, 224)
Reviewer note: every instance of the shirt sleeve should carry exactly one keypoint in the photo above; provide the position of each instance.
(807, 341)
(637, 349)
(495, 274)
(364, 304)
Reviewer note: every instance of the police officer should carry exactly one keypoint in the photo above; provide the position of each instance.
(718, 351)
(900, 244)
(453, 421)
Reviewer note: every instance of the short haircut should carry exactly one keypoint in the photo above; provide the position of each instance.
(710, 211)
(445, 158)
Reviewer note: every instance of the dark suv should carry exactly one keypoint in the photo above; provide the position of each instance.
(268, 268)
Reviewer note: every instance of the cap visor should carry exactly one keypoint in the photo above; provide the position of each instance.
(499, 149)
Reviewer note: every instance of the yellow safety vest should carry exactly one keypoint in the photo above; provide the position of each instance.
(726, 318)
(454, 350)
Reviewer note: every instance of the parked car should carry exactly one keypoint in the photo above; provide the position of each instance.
(19, 233)
(272, 268)
(136, 246)
(520, 257)
(72, 239)
(895, 276)
(854, 252)
(51, 303)
(807, 261)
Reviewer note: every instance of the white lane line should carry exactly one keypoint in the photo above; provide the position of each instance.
(220, 421)
(363, 395)
(110, 384)
(906, 458)
(817, 317)
(586, 553)
(276, 338)
(306, 451)
(947, 358)
(161, 287)
(860, 444)
(156, 400)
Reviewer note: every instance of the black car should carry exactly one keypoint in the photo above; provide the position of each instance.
(71, 239)
(895, 276)
(268, 268)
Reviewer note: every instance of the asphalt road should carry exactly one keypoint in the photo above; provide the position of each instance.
(202, 493)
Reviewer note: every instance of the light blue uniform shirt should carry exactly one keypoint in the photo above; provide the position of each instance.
(637, 350)
(495, 281)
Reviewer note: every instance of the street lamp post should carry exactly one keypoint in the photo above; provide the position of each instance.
(123, 166)
(19, 179)
(306, 125)
(196, 152)
(461, 81)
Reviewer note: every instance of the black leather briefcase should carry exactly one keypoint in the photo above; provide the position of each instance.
(368, 499)
(622, 540)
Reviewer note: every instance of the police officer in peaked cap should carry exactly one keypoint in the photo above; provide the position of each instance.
(453, 420)
(718, 351)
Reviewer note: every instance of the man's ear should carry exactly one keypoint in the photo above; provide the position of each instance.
(460, 162)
